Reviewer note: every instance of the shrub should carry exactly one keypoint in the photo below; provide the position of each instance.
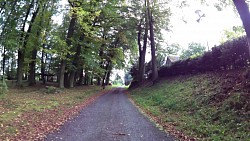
(229, 55)
(51, 90)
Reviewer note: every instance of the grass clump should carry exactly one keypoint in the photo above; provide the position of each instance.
(210, 106)
(51, 90)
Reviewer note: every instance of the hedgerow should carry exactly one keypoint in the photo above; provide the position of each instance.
(229, 55)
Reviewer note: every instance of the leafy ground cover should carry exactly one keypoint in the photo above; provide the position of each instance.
(32, 112)
(212, 106)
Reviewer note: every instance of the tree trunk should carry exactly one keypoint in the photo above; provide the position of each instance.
(153, 48)
(62, 71)
(140, 50)
(24, 38)
(43, 66)
(143, 50)
(72, 78)
(86, 78)
(104, 79)
(108, 77)
(32, 71)
(32, 65)
(91, 81)
(66, 79)
(98, 81)
(68, 41)
(81, 77)
(75, 63)
(243, 11)
(4, 59)
(20, 61)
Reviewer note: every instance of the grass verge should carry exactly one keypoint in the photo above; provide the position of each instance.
(32, 112)
(211, 106)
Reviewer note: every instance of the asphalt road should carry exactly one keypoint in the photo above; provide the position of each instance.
(112, 117)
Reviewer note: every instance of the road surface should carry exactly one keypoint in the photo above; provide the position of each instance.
(112, 117)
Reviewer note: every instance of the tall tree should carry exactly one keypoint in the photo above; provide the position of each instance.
(152, 42)
(70, 33)
(24, 37)
(243, 10)
(40, 25)
(142, 49)
(152, 16)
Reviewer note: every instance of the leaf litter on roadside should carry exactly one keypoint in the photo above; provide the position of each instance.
(35, 123)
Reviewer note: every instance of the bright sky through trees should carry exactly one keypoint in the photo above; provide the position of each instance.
(208, 30)
(186, 29)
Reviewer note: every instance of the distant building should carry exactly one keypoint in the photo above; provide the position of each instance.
(171, 59)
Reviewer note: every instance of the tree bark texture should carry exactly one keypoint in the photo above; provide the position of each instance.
(32, 65)
(62, 71)
(4, 60)
(43, 66)
(32, 70)
(21, 51)
(68, 41)
(75, 63)
(104, 79)
(142, 50)
(243, 11)
(20, 61)
(153, 48)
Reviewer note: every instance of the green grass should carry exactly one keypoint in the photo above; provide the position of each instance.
(191, 104)
(34, 102)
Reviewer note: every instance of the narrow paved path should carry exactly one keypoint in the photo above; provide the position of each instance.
(111, 117)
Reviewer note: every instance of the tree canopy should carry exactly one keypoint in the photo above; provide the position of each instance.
(194, 50)
(94, 38)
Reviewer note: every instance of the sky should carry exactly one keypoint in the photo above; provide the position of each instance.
(208, 31)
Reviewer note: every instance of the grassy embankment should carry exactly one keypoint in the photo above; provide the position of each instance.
(31, 112)
(211, 106)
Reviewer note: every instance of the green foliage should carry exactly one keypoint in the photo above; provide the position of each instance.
(234, 33)
(118, 80)
(105, 31)
(194, 50)
(162, 53)
(172, 49)
(227, 56)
